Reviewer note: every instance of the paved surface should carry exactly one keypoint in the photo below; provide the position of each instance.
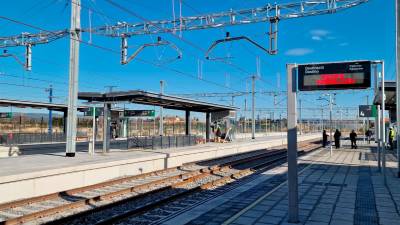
(45, 161)
(339, 190)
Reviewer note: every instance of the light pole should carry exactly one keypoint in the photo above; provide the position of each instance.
(50, 90)
(253, 106)
(161, 121)
(330, 119)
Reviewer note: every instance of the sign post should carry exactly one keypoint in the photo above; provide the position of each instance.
(292, 144)
(383, 136)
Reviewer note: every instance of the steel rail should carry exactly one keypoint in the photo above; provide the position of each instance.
(95, 199)
(221, 181)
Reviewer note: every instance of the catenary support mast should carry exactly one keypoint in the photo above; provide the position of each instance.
(73, 77)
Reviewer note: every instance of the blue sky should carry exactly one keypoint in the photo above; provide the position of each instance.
(363, 32)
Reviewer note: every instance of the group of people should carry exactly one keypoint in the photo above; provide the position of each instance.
(353, 138)
(336, 136)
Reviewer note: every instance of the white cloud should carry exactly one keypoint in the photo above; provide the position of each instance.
(316, 38)
(298, 51)
(319, 34)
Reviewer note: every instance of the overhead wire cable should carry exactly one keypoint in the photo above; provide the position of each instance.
(118, 52)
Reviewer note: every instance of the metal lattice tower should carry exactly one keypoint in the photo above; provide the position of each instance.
(267, 13)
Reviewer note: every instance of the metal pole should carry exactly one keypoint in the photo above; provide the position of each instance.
(398, 85)
(253, 106)
(94, 131)
(377, 119)
(364, 130)
(50, 89)
(73, 77)
(300, 122)
(106, 127)
(378, 135)
(367, 117)
(322, 119)
(341, 120)
(292, 144)
(383, 123)
(161, 131)
(208, 128)
(245, 115)
(330, 124)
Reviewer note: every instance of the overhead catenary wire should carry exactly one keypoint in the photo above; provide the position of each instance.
(144, 61)
(122, 8)
(118, 52)
(177, 36)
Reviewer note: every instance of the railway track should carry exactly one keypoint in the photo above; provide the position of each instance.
(114, 200)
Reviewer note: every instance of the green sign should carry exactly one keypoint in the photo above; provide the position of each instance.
(6, 115)
(374, 112)
(139, 113)
(367, 111)
(89, 112)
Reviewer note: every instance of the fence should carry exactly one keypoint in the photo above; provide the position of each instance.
(160, 142)
(30, 138)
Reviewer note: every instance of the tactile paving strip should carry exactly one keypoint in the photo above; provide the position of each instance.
(365, 210)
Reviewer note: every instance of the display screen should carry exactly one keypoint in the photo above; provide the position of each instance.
(334, 76)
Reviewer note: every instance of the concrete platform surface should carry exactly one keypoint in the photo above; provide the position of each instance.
(343, 189)
(39, 174)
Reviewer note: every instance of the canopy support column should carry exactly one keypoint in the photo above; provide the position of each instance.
(188, 124)
(106, 128)
(208, 128)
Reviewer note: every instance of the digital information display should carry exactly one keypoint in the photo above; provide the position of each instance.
(334, 76)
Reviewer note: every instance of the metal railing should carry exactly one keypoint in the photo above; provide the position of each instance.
(31, 138)
(160, 142)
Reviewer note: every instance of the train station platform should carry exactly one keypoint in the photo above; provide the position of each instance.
(39, 174)
(345, 188)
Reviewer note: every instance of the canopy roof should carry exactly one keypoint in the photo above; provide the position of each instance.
(155, 99)
(36, 105)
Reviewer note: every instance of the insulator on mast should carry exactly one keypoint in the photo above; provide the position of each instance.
(124, 50)
(28, 57)
(273, 36)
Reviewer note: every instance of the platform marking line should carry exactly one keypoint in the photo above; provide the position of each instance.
(237, 215)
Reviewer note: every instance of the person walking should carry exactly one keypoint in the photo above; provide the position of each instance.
(353, 139)
(391, 137)
(337, 136)
(368, 134)
(324, 138)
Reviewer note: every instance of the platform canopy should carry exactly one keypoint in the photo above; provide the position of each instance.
(37, 105)
(154, 99)
(390, 93)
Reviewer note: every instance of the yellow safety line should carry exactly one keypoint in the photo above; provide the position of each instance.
(237, 215)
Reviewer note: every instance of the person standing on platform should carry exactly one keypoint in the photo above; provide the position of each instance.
(353, 139)
(391, 137)
(368, 134)
(324, 138)
(337, 136)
